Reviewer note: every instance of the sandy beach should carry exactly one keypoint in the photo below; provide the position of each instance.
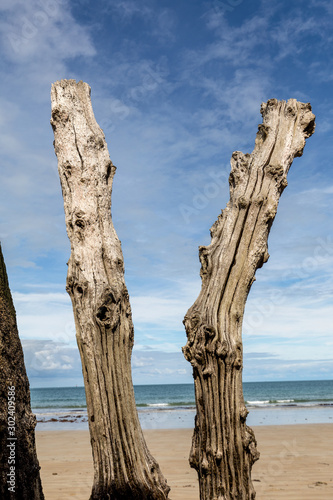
(296, 462)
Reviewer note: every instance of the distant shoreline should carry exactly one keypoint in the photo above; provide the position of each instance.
(172, 406)
(183, 418)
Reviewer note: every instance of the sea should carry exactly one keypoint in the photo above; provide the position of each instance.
(173, 405)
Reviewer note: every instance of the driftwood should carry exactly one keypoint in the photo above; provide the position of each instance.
(223, 446)
(123, 466)
(19, 467)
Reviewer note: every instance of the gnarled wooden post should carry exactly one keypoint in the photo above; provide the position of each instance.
(19, 467)
(224, 447)
(123, 466)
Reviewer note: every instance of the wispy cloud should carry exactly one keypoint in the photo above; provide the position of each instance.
(160, 21)
(25, 26)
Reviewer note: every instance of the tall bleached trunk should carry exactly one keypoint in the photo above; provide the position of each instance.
(123, 466)
(224, 447)
(19, 467)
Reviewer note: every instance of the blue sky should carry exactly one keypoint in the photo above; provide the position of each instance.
(176, 87)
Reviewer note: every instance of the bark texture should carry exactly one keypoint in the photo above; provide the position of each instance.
(22, 450)
(123, 466)
(224, 447)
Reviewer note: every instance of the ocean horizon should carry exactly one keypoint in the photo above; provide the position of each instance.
(173, 405)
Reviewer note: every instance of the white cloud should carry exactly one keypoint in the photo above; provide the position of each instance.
(280, 369)
(138, 362)
(166, 312)
(284, 315)
(48, 358)
(45, 316)
(26, 26)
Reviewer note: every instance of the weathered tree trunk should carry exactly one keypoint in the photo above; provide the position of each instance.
(223, 447)
(123, 466)
(19, 467)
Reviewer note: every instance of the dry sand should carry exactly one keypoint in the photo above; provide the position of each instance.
(296, 462)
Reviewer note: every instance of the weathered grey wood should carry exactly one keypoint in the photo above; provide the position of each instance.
(224, 447)
(123, 466)
(17, 446)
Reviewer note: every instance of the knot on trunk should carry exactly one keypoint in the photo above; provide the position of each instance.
(67, 172)
(77, 288)
(77, 224)
(250, 443)
(79, 219)
(307, 121)
(58, 116)
(267, 107)
(29, 420)
(216, 228)
(270, 211)
(191, 322)
(239, 174)
(263, 131)
(234, 356)
(110, 170)
(222, 349)
(243, 413)
(204, 466)
(108, 310)
(200, 346)
(275, 171)
(205, 260)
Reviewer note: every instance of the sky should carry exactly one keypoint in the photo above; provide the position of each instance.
(177, 87)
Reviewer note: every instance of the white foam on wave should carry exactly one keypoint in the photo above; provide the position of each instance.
(158, 404)
(258, 402)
